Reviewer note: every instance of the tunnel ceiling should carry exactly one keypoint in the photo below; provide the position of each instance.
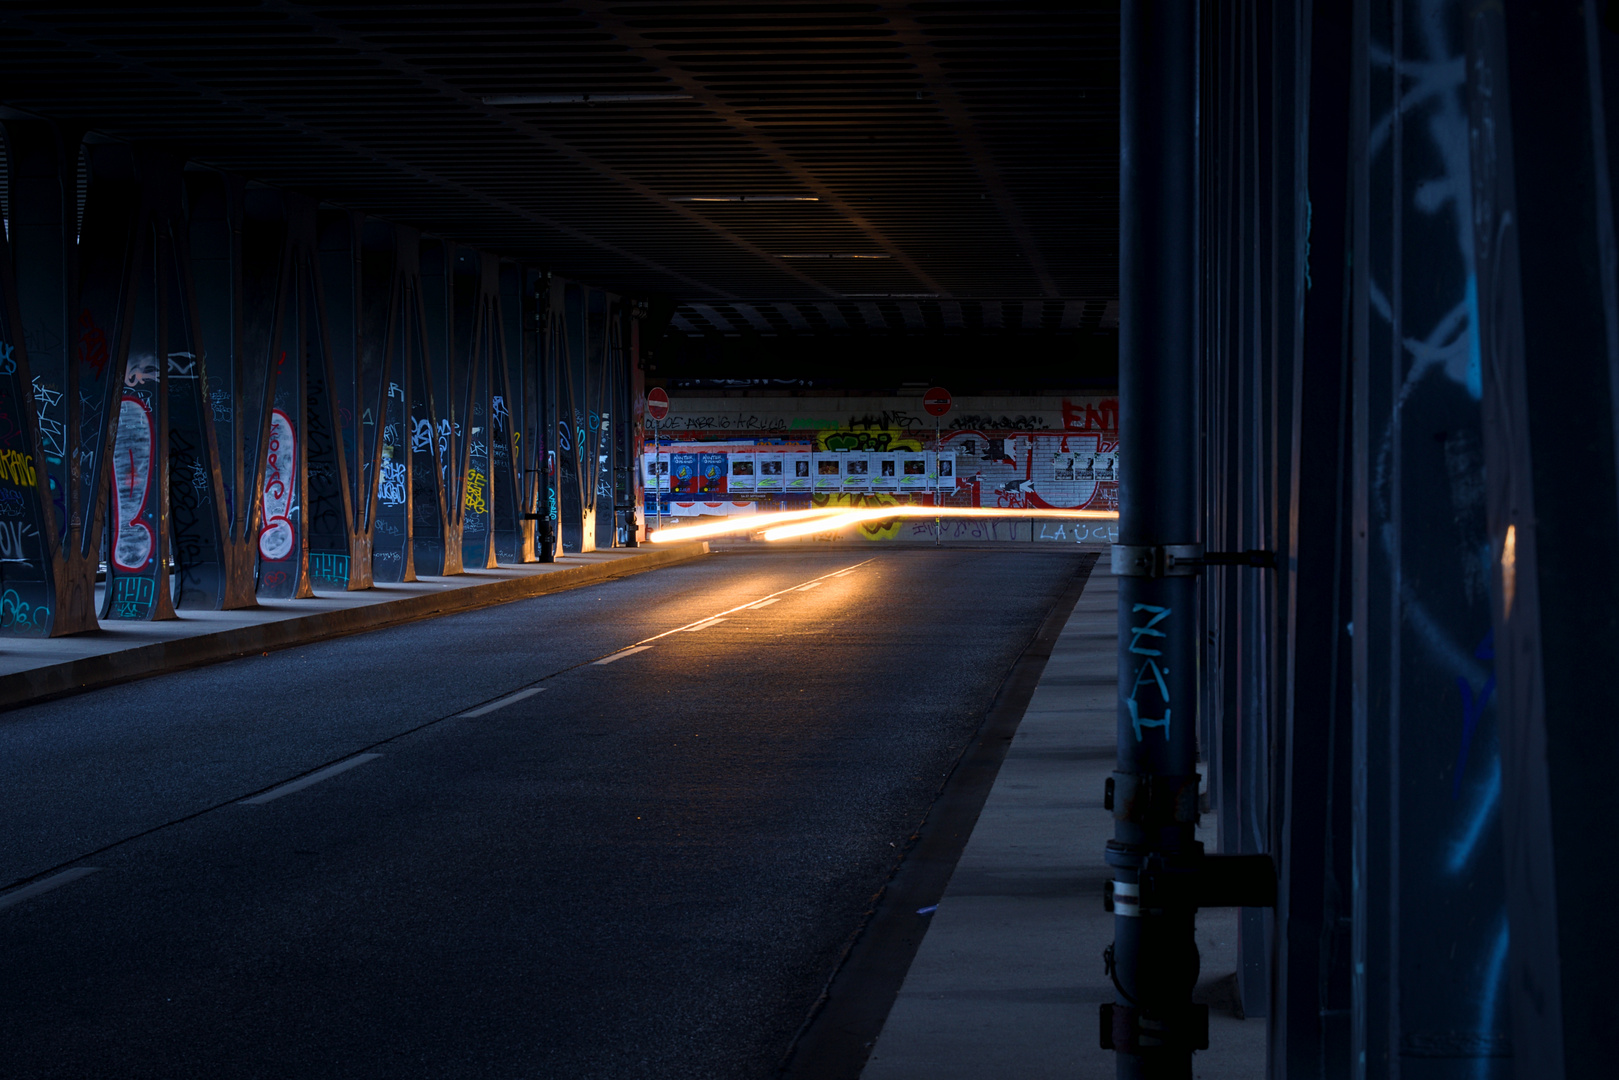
(962, 158)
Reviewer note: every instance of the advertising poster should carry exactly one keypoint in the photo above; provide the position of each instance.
(770, 476)
(742, 476)
(655, 472)
(1065, 464)
(914, 471)
(714, 473)
(857, 472)
(946, 461)
(828, 470)
(798, 472)
(885, 472)
(683, 473)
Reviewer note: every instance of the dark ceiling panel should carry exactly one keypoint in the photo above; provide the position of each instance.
(954, 150)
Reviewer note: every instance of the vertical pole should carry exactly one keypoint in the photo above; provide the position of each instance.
(938, 519)
(1153, 1024)
(657, 471)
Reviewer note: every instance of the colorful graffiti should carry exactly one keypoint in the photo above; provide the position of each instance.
(17, 468)
(133, 449)
(476, 486)
(276, 537)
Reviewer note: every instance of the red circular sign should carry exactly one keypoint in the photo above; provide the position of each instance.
(936, 401)
(657, 403)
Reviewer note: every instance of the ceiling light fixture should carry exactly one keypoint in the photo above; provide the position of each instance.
(744, 198)
(577, 99)
(833, 256)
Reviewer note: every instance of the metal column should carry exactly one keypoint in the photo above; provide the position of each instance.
(1161, 874)
(1153, 1024)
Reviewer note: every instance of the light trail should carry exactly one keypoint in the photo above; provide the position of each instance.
(806, 528)
(788, 524)
(885, 513)
(753, 523)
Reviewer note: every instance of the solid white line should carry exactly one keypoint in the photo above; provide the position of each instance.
(765, 603)
(28, 892)
(811, 585)
(313, 778)
(622, 653)
(509, 699)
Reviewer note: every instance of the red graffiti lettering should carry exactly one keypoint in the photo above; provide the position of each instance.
(1088, 417)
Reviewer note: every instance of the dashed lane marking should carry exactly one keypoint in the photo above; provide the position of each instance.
(764, 603)
(501, 703)
(700, 623)
(705, 624)
(622, 653)
(28, 892)
(313, 778)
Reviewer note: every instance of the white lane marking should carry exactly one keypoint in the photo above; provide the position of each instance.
(313, 778)
(811, 585)
(705, 624)
(622, 653)
(751, 603)
(851, 570)
(764, 603)
(28, 892)
(501, 703)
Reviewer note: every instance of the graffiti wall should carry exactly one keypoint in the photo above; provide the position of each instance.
(1014, 453)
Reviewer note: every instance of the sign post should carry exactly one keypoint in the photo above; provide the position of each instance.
(936, 402)
(657, 407)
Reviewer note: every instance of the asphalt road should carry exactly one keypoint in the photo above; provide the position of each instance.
(647, 867)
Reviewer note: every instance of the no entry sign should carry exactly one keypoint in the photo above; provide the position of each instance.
(657, 403)
(936, 401)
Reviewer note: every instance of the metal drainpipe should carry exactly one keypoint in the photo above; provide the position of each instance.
(1153, 1025)
(1161, 875)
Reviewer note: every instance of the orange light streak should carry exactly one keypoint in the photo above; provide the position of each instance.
(750, 523)
(806, 528)
(787, 524)
(885, 513)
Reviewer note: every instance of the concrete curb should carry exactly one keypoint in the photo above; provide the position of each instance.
(93, 672)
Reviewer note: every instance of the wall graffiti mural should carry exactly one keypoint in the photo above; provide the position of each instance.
(277, 537)
(133, 539)
(1056, 453)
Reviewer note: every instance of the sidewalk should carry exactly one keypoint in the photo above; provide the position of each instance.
(33, 669)
(1008, 981)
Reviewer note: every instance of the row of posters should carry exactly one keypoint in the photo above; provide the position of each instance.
(713, 473)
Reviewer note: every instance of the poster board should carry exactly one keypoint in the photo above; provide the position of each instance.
(828, 471)
(655, 472)
(885, 472)
(769, 472)
(683, 473)
(743, 467)
(857, 470)
(945, 460)
(914, 473)
(797, 471)
(714, 472)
